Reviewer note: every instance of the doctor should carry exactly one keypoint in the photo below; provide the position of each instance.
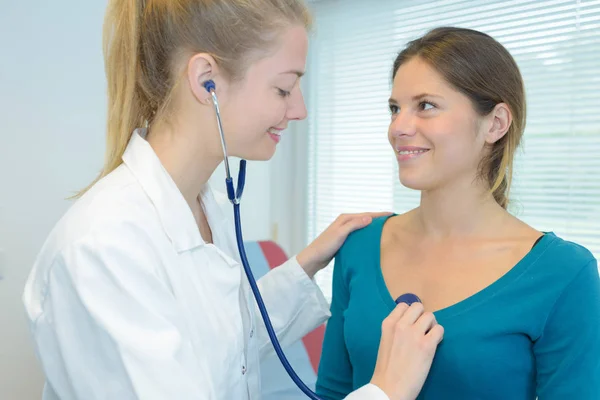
(138, 292)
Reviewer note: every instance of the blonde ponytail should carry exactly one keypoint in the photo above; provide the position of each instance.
(121, 42)
(121, 38)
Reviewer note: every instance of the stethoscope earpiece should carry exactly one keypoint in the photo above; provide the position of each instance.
(209, 85)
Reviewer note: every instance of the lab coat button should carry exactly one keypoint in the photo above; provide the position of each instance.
(243, 370)
(252, 333)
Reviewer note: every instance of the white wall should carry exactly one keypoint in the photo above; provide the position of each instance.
(52, 110)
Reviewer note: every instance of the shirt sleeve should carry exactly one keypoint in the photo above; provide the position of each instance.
(116, 326)
(568, 352)
(295, 304)
(334, 379)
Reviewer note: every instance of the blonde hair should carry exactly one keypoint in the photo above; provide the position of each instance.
(145, 40)
(482, 69)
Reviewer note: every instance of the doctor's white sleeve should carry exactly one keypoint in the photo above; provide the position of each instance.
(368, 392)
(112, 329)
(295, 304)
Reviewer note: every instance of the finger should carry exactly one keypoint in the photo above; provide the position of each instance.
(378, 214)
(436, 334)
(356, 221)
(353, 225)
(412, 314)
(425, 322)
(397, 313)
(388, 326)
(349, 217)
(344, 218)
(352, 222)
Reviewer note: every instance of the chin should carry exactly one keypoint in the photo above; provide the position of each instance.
(414, 181)
(264, 157)
(260, 154)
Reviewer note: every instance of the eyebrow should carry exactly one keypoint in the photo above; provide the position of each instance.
(300, 74)
(416, 98)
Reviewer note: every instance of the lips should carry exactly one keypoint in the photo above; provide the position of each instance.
(275, 134)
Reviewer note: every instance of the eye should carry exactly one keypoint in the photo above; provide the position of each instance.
(426, 105)
(283, 93)
(394, 109)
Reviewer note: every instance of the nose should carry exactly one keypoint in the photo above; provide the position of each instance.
(296, 107)
(403, 124)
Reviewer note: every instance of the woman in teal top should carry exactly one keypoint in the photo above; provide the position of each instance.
(520, 308)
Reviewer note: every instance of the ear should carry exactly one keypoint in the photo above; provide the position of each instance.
(201, 68)
(501, 120)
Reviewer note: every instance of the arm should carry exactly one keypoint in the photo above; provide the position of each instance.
(312, 308)
(295, 304)
(116, 326)
(568, 352)
(409, 338)
(304, 307)
(335, 369)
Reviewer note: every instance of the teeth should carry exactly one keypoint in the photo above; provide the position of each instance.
(404, 152)
(275, 132)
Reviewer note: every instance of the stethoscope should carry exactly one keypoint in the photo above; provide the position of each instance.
(235, 196)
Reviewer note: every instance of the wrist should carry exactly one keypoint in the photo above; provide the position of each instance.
(307, 264)
(391, 394)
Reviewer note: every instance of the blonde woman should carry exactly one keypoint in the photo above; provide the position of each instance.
(138, 292)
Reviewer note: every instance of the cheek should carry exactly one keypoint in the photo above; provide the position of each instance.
(245, 121)
(265, 112)
(455, 141)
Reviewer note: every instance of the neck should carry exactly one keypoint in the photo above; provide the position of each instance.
(460, 209)
(188, 155)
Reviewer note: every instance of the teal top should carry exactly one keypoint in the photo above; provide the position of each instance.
(533, 332)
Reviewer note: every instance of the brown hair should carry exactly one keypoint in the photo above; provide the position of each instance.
(146, 40)
(482, 69)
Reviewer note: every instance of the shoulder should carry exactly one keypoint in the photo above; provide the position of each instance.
(114, 216)
(565, 254)
(365, 238)
(561, 262)
(106, 210)
(361, 250)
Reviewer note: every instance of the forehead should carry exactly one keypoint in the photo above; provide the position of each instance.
(417, 75)
(289, 53)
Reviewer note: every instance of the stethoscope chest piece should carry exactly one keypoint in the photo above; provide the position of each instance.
(408, 298)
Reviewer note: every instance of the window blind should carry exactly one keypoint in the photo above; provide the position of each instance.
(556, 44)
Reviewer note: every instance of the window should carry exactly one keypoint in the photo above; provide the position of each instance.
(556, 44)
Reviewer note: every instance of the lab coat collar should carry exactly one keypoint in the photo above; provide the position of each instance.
(174, 212)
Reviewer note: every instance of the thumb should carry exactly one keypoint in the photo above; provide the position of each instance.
(356, 223)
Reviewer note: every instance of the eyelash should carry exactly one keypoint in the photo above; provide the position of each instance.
(427, 102)
(394, 108)
(283, 93)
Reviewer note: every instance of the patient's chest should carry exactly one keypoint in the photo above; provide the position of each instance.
(447, 274)
(486, 352)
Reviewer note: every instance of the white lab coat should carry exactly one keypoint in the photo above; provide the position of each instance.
(126, 301)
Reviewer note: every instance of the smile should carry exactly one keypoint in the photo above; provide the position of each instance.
(403, 152)
(275, 134)
(407, 155)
